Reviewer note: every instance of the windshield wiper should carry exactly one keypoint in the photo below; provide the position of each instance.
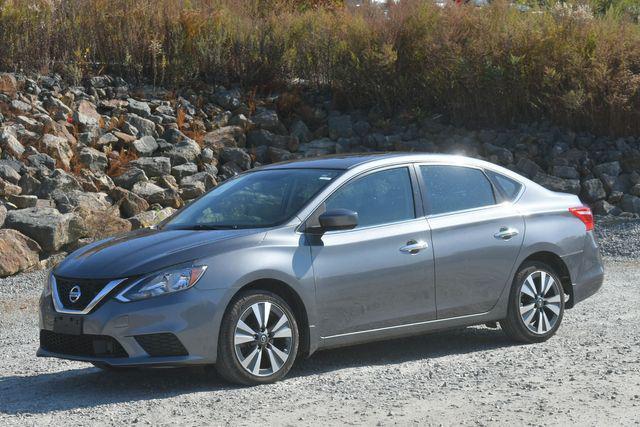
(205, 227)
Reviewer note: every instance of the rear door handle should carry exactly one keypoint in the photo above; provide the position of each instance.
(506, 233)
(412, 247)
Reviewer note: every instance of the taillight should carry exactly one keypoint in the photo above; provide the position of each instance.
(584, 214)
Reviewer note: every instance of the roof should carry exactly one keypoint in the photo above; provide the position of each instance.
(349, 161)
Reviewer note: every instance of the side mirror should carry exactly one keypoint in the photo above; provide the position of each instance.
(338, 219)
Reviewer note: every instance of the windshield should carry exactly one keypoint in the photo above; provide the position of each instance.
(256, 199)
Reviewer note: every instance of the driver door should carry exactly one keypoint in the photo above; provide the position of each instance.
(365, 277)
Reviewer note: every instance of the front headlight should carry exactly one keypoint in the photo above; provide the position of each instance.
(46, 291)
(162, 283)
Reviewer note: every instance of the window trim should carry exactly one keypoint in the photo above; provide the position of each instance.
(418, 205)
(427, 208)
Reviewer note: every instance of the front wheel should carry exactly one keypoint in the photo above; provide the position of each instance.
(536, 304)
(259, 339)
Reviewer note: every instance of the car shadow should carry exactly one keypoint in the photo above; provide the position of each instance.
(90, 387)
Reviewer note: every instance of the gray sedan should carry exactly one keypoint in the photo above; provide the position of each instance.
(291, 258)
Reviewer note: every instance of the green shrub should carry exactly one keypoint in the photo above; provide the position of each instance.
(486, 65)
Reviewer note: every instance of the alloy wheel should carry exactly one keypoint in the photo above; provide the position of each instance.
(263, 339)
(540, 302)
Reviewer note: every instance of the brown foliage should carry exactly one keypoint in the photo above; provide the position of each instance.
(484, 65)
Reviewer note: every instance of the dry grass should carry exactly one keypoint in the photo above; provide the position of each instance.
(477, 65)
(118, 166)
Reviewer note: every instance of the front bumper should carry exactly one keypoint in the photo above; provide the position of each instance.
(192, 316)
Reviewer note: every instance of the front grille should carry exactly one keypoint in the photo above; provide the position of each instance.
(159, 345)
(88, 291)
(81, 345)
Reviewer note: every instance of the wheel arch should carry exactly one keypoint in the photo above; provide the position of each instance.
(291, 297)
(560, 268)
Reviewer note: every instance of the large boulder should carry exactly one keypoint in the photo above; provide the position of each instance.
(58, 181)
(146, 189)
(557, 184)
(259, 137)
(144, 126)
(75, 200)
(3, 215)
(8, 173)
(92, 159)
(8, 84)
(227, 136)
(170, 197)
(186, 151)
(29, 184)
(566, 172)
(47, 226)
(8, 189)
(611, 169)
(145, 146)
(236, 155)
(592, 190)
(139, 107)
(10, 144)
(183, 170)
(340, 127)
(58, 148)
(205, 178)
(630, 203)
(95, 181)
(528, 167)
(17, 252)
(130, 177)
(276, 155)
(43, 162)
(300, 131)
(129, 203)
(150, 218)
(23, 201)
(86, 115)
(268, 119)
(318, 147)
(103, 222)
(503, 155)
(154, 166)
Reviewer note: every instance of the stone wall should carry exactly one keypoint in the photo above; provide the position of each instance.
(78, 163)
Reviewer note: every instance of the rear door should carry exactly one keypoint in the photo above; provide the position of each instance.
(366, 278)
(476, 240)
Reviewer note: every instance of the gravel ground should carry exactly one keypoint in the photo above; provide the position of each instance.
(619, 237)
(588, 374)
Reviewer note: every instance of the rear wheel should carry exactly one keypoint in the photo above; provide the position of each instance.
(536, 304)
(258, 339)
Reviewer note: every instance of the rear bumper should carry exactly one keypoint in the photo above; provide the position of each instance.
(189, 320)
(588, 285)
(590, 275)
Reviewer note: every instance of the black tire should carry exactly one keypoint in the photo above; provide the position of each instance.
(514, 325)
(228, 364)
(110, 368)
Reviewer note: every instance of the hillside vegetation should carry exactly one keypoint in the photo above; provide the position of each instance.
(489, 65)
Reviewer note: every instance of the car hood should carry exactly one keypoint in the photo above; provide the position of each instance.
(144, 251)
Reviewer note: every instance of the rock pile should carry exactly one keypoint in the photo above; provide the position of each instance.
(78, 163)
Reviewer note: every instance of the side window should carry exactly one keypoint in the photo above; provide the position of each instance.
(507, 186)
(455, 188)
(378, 198)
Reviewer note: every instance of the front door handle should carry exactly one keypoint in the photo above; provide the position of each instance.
(506, 233)
(412, 247)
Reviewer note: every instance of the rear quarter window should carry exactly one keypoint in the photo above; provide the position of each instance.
(508, 187)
